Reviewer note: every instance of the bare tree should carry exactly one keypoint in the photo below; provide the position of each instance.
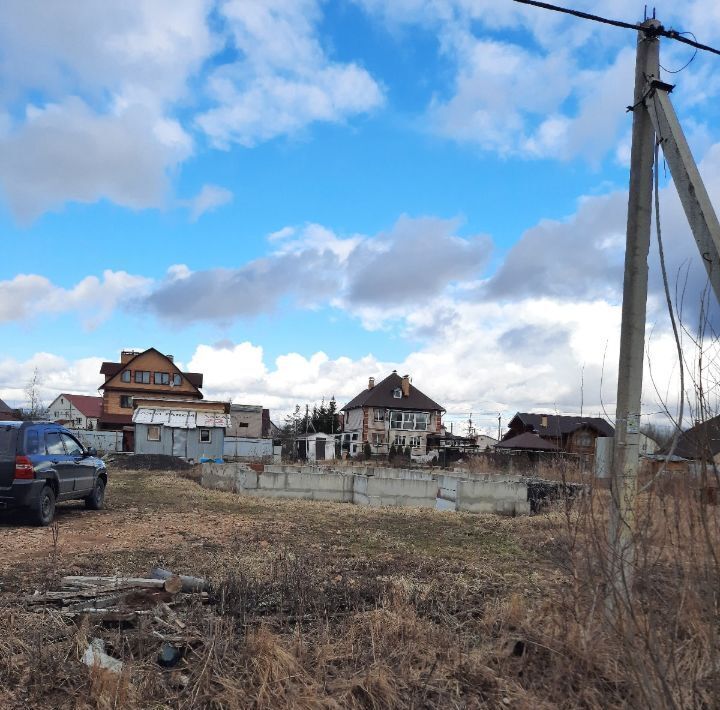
(35, 406)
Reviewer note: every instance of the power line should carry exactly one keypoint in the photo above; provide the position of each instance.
(650, 31)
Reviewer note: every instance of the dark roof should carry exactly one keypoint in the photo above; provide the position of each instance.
(381, 395)
(110, 369)
(528, 442)
(8, 413)
(88, 405)
(560, 424)
(116, 419)
(700, 442)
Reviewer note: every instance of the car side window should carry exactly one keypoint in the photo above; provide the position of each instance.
(32, 443)
(71, 445)
(54, 444)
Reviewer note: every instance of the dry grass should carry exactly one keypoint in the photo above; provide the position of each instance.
(331, 606)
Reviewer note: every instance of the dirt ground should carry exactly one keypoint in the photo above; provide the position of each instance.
(319, 605)
(163, 518)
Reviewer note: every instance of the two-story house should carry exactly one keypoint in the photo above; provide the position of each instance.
(142, 374)
(391, 412)
(78, 411)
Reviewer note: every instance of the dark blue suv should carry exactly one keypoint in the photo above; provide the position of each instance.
(42, 463)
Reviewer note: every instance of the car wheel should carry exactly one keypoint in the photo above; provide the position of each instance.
(96, 499)
(43, 510)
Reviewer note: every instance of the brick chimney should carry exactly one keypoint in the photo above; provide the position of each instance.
(127, 355)
(406, 385)
(371, 383)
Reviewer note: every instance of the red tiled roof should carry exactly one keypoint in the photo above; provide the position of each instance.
(87, 405)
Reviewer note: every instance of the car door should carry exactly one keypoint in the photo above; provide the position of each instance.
(82, 466)
(61, 462)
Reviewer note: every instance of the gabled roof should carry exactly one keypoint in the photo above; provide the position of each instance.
(527, 441)
(110, 369)
(559, 424)
(699, 442)
(8, 413)
(89, 406)
(381, 396)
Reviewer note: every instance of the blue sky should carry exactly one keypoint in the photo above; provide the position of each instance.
(292, 196)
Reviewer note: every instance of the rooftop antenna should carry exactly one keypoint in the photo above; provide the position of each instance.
(654, 120)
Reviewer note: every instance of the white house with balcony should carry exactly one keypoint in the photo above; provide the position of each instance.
(391, 412)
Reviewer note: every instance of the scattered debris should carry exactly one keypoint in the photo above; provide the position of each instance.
(188, 584)
(95, 656)
(143, 605)
(121, 598)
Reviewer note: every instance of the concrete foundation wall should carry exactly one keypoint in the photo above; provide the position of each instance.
(377, 492)
(506, 495)
(492, 496)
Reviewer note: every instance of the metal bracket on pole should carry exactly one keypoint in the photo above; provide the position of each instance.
(690, 187)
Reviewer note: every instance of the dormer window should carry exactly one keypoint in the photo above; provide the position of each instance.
(125, 376)
(397, 393)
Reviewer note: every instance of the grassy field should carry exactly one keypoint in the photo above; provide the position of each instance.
(318, 605)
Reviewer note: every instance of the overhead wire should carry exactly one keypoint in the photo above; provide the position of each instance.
(671, 312)
(689, 61)
(655, 31)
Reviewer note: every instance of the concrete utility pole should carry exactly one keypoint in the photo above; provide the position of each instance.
(632, 333)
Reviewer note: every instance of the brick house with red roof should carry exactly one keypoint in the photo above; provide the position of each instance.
(144, 374)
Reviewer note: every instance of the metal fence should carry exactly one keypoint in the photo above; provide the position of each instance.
(242, 447)
(103, 441)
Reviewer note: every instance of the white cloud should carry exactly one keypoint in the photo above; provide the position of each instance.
(485, 359)
(68, 151)
(109, 74)
(208, 199)
(371, 277)
(540, 93)
(27, 296)
(55, 375)
(124, 47)
(284, 80)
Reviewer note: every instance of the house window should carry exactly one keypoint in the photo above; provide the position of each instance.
(162, 378)
(177, 379)
(414, 442)
(78, 420)
(378, 439)
(584, 440)
(125, 376)
(205, 436)
(379, 415)
(400, 440)
(153, 433)
(355, 437)
(243, 425)
(409, 420)
(142, 377)
(397, 393)
(126, 401)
